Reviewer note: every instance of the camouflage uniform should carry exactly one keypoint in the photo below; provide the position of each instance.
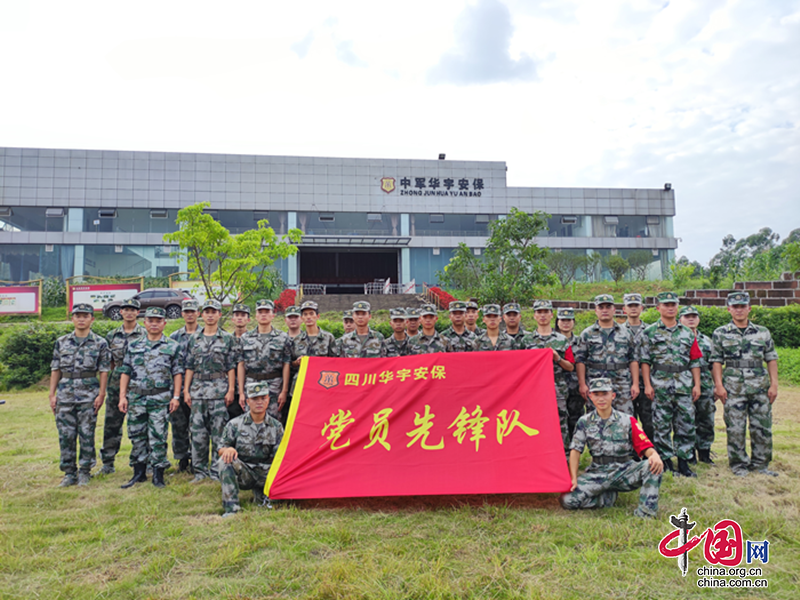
(210, 357)
(256, 445)
(118, 341)
(264, 355)
(322, 344)
(705, 408)
(667, 350)
(608, 355)
(151, 367)
(642, 407)
(747, 386)
(350, 346)
(576, 405)
(181, 418)
(464, 342)
(77, 389)
(612, 443)
(428, 344)
(395, 347)
(504, 342)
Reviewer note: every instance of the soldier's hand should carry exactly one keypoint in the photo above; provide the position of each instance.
(634, 391)
(53, 403)
(695, 393)
(574, 485)
(188, 400)
(229, 398)
(242, 400)
(772, 393)
(228, 455)
(282, 398)
(556, 357)
(656, 464)
(649, 392)
(721, 393)
(174, 403)
(98, 402)
(584, 391)
(123, 404)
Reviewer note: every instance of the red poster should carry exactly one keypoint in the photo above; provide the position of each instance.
(471, 423)
(19, 300)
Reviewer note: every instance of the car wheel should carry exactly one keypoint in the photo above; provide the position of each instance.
(173, 312)
(114, 313)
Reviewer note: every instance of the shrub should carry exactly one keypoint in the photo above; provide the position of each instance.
(789, 365)
(54, 292)
(285, 300)
(444, 298)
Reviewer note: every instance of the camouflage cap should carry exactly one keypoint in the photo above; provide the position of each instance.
(601, 384)
(265, 304)
(257, 389)
(347, 314)
(239, 307)
(511, 307)
(457, 306)
(83, 308)
(427, 309)
(155, 312)
(566, 313)
(543, 305)
(689, 310)
(738, 298)
(362, 305)
(472, 304)
(292, 311)
(397, 313)
(491, 309)
(412, 313)
(131, 303)
(632, 299)
(309, 305)
(603, 299)
(211, 303)
(189, 304)
(667, 298)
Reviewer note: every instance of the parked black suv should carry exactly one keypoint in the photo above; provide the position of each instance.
(167, 298)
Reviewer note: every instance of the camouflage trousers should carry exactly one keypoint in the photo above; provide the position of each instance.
(644, 412)
(181, 420)
(704, 410)
(112, 424)
(208, 422)
(756, 408)
(576, 406)
(74, 422)
(148, 425)
(563, 420)
(599, 485)
(673, 424)
(239, 475)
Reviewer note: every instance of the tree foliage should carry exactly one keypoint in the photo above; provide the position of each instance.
(617, 266)
(511, 268)
(565, 265)
(791, 254)
(639, 261)
(229, 266)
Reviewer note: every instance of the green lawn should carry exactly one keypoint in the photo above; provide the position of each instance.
(104, 542)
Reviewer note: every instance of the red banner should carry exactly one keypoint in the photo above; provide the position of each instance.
(20, 300)
(472, 423)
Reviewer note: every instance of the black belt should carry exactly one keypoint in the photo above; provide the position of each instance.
(208, 376)
(612, 366)
(265, 376)
(78, 374)
(609, 460)
(153, 391)
(669, 368)
(744, 364)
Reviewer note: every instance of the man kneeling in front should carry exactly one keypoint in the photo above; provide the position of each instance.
(248, 446)
(612, 437)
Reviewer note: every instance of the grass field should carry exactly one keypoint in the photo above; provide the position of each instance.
(104, 542)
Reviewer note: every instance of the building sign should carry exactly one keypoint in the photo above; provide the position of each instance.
(19, 300)
(435, 186)
(197, 289)
(99, 294)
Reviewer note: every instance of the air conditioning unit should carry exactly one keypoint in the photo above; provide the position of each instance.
(374, 217)
(481, 218)
(327, 217)
(5, 211)
(569, 220)
(436, 251)
(48, 247)
(159, 213)
(107, 213)
(654, 220)
(611, 220)
(118, 249)
(436, 218)
(54, 212)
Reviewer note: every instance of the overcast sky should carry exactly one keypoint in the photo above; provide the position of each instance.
(704, 95)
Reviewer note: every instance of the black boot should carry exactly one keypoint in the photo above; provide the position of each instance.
(668, 466)
(139, 474)
(184, 465)
(158, 477)
(693, 459)
(683, 468)
(704, 456)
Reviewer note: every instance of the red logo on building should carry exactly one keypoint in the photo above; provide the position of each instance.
(387, 184)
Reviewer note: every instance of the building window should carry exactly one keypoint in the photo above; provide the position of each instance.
(436, 218)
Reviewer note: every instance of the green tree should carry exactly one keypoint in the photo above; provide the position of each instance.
(791, 255)
(639, 261)
(565, 265)
(617, 266)
(593, 261)
(734, 253)
(229, 266)
(512, 266)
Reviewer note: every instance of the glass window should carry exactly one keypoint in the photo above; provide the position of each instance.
(31, 218)
(348, 223)
(431, 224)
(567, 226)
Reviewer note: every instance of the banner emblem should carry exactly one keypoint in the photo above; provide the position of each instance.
(329, 379)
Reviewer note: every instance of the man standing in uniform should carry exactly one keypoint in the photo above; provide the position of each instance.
(704, 408)
(363, 342)
(266, 356)
(291, 316)
(643, 408)
(746, 388)
(241, 319)
(576, 405)
(612, 437)
(247, 449)
(118, 340)
(181, 417)
(670, 359)
(471, 320)
(151, 375)
(428, 341)
(211, 358)
(397, 343)
(412, 321)
(348, 322)
(512, 316)
(460, 338)
(76, 394)
(608, 350)
(493, 338)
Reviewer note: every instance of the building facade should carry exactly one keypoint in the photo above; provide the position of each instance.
(87, 212)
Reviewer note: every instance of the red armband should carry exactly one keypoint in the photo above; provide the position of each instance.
(640, 440)
(695, 352)
(569, 356)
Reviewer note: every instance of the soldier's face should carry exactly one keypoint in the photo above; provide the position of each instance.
(293, 322)
(349, 325)
(412, 324)
(264, 316)
(429, 321)
(604, 311)
(258, 406)
(129, 314)
(361, 317)
(602, 400)
(668, 310)
(398, 325)
(739, 312)
(491, 321)
(189, 317)
(512, 319)
(543, 317)
(457, 317)
(566, 325)
(155, 325)
(82, 321)
(210, 316)
(472, 316)
(310, 317)
(633, 310)
(691, 321)
(240, 319)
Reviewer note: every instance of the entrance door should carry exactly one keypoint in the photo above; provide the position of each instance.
(345, 270)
